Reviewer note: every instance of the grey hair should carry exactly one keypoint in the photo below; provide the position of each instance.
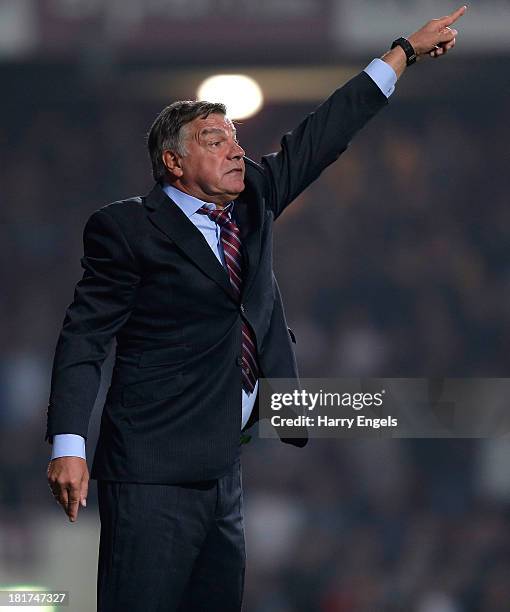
(169, 130)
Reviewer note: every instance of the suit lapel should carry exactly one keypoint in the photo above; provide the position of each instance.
(170, 219)
(247, 216)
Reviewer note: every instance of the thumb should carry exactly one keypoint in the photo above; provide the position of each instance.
(447, 35)
(84, 489)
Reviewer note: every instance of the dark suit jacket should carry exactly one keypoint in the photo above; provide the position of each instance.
(173, 410)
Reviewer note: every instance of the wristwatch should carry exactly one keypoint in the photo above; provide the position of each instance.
(408, 49)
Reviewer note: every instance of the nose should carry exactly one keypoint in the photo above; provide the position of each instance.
(237, 151)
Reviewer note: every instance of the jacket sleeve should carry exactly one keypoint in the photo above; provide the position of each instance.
(319, 140)
(103, 300)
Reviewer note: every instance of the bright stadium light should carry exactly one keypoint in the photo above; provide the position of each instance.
(241, 94)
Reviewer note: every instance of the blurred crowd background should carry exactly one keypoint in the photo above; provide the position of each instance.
(395, 263)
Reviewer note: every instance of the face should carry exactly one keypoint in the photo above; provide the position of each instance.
(213, 169)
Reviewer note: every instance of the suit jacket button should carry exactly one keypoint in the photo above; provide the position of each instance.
(243, 309)
(239, 361)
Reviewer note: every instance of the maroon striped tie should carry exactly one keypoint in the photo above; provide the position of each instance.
(231, 242)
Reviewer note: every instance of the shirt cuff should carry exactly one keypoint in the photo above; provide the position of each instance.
(68, 445)
(383, 76)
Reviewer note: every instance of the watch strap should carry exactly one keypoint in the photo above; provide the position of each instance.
(408, 49)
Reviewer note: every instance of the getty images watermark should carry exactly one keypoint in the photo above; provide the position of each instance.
(311, 401)
(385, 407)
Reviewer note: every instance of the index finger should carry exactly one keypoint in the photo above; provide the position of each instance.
(449, 19)
(73, 503)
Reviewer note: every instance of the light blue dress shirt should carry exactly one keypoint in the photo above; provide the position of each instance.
(383, 76)
(73, 445)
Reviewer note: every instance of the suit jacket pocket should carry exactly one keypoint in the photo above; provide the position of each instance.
(167, 355)
(152, 390)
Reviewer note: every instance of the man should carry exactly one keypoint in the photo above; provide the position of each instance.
(183, 279)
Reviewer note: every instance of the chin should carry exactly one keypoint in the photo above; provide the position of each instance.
(236, 187)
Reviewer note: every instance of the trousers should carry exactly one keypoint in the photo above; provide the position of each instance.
(171, 547)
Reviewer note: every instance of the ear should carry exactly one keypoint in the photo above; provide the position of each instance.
(172, 163)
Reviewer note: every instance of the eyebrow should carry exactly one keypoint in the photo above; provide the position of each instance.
(207, 131)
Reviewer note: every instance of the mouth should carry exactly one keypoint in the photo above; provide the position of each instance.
(235, 170)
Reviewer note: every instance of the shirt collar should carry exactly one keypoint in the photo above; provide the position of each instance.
(188, 203)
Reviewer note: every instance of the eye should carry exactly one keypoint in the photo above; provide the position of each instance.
(215, 144)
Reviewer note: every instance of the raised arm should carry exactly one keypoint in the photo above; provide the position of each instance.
(326, 133)
(319, 140)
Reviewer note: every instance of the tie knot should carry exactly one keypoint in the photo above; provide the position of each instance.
(219, 216)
